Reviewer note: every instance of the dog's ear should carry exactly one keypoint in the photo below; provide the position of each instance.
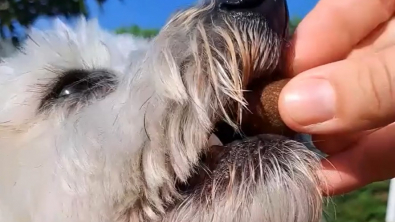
(83, 28)
(5, 71)
(60, 26)
(14, 109)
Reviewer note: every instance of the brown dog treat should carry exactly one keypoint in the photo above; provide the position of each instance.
(263, 115)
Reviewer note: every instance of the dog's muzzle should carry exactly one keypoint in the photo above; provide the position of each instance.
(263, 87)
(246, 150)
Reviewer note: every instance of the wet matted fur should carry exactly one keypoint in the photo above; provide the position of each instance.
(112, 128)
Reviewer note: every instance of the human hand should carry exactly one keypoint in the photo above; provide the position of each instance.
(348, 100)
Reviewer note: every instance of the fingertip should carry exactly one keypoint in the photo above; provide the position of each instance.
(305, 101)
(284, 111)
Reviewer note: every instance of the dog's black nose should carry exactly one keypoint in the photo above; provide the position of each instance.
(274, 11)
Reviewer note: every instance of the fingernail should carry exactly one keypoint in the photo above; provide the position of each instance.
(309, 101)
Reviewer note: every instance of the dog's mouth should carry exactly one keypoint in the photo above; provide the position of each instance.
(206, 166)
(237, 159)
(272, 15)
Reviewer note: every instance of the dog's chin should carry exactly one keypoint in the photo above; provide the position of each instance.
(240, 157)
(254, 178)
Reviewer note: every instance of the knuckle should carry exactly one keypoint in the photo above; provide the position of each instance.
(377, 82)
(388, 7)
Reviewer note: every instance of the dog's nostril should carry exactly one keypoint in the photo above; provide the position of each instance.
(229, 5)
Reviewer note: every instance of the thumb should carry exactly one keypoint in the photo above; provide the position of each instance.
(350, 95)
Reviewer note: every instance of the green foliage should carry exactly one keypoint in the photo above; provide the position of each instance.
(293, 23)
(137, 31)
(25, 12)
(149, 33)
(367, 204)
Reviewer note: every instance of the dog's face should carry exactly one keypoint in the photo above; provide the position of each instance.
(99, 127)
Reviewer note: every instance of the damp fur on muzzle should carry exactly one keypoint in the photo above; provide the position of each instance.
(113, 128)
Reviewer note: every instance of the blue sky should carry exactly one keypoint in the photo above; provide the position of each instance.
(154, 13)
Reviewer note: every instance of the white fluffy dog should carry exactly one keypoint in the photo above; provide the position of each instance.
(98, 127)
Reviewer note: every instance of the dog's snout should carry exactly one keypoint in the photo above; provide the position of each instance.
(275, 12)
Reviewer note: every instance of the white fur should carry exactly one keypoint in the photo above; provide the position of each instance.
(54, 168)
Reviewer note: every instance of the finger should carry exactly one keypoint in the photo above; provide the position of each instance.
(336, 143)
(347, 96)
(369, 161)
(382, 37)
(331, 30)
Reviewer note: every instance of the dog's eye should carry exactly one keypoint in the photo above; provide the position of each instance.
(78, 86)
(73, 83)
(72, 89)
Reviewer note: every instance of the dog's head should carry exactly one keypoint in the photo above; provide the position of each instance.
(100, 127)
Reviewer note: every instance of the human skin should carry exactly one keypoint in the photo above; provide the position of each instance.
(343, 90)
